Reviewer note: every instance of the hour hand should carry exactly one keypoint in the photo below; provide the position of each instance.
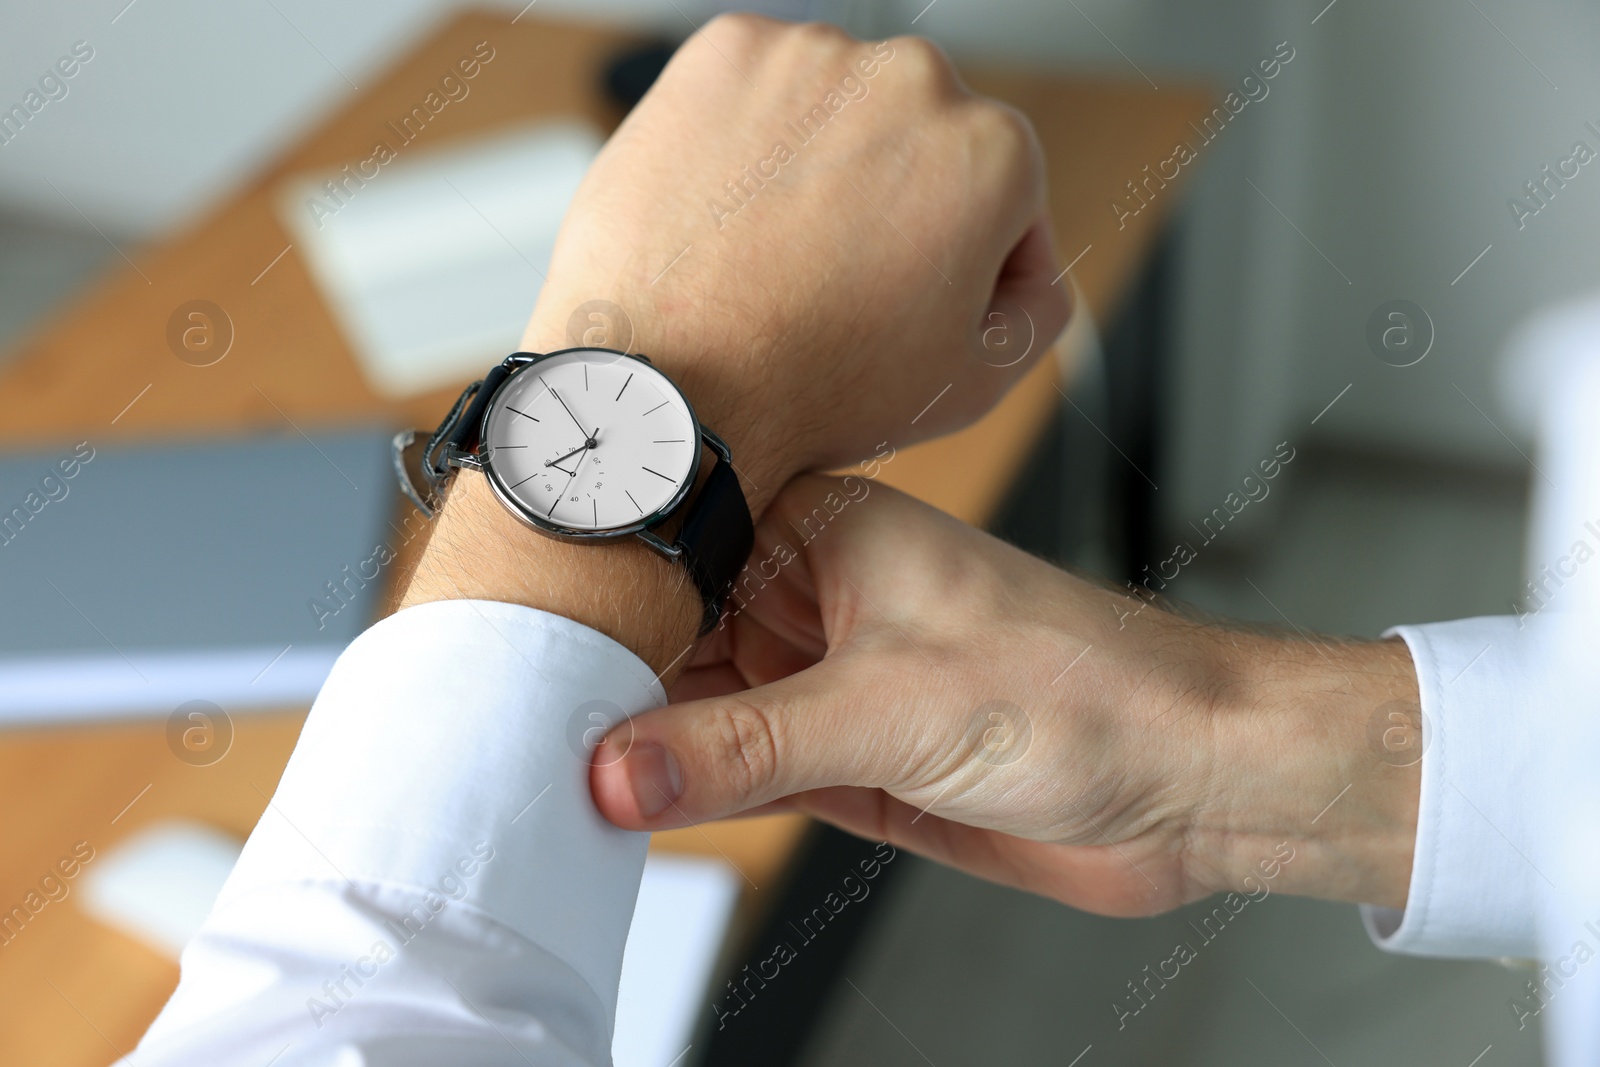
(590, 441)
(553, 462)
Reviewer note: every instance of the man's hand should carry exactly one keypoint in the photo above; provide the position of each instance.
(813, 236)
(909, 678)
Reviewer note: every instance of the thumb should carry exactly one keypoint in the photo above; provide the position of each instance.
(708, 759)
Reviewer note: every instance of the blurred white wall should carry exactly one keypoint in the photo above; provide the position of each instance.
(1413, 127)
(1432, 115)
(1392, 142)
(182, 100)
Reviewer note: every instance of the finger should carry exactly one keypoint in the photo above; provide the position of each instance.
(1013, 175)
(708, 759)
(834, 723)
(776, 587)
(706, 682)
(770, 641)
(712, 648)
(1033, 256)
(781, 806)
(750, 655)
(762, 656)
(1031, 300)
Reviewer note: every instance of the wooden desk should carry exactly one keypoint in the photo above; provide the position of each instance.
(74, 993)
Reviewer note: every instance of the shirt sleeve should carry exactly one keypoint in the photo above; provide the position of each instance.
(431, 882)
(1490, 718)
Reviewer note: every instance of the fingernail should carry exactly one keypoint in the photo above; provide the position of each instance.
(657, 781)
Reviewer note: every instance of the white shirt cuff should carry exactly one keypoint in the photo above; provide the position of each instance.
(1488, 724)
(449, 730)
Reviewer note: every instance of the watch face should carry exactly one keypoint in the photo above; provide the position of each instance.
(591, 441)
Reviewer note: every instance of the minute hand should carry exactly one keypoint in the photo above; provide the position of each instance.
(568, 410)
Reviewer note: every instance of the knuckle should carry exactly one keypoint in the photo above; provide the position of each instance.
(746, 746)
(738, 36)
(1004, 139)
(1010, 127)
(1009, 134)
(924, 60)
(739, 26)
(817, 34)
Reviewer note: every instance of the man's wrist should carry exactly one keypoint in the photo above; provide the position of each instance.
(761, 455)
(1318, 758)
(478, 550)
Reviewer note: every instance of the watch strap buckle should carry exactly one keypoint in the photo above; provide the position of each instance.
(454, 443)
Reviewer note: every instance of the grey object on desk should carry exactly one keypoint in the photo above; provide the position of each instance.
(138, 578)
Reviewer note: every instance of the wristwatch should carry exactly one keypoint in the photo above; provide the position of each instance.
(589, 445)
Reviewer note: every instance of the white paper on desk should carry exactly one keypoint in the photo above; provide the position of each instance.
(685, 905)
(432, 265)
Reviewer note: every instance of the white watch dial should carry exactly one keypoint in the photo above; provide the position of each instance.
(590, 440)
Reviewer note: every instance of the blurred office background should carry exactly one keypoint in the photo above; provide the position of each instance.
(1378, 168)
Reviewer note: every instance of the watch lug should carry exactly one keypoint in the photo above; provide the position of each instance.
(469, 460)
(717, 445)
(661, 546)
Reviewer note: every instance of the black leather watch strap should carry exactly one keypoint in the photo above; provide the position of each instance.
(716, 539)
(465, 436)
(457, 435)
